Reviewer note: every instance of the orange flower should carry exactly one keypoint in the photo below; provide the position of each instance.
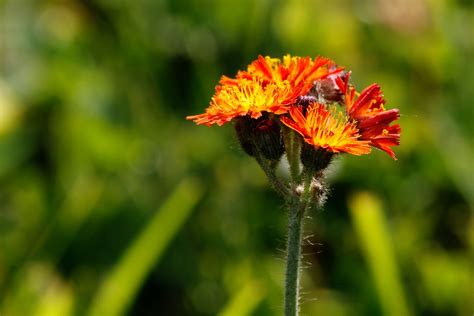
(278, 86)
(326, 129)
(298, 71)
(268, 85)
(367, 110)
(247, 97)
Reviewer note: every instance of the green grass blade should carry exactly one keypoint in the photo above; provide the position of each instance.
(57, 300)
(367, 215)
(120, 286)
(245, 300)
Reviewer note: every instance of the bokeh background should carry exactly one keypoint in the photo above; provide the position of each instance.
(112, 204)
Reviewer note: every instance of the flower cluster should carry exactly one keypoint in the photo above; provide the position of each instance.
(312, 97)
(307, 109)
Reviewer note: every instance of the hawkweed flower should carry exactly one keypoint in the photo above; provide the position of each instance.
(306, 109)
(296, 70)
(367, 110)
(301, 73)
(252, 103)
(247, 98)
(269, 85)
(325, 132)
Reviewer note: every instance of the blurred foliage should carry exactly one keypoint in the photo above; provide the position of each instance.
(96, 160)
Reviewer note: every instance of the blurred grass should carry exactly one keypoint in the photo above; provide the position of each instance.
(371, 228)
(245, 301)
(93, 95)
(57, 300)
(82, 198)
(119, 287)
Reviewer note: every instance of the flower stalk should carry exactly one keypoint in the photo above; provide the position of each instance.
(307, 109)
(269, 167)
(292, 145)
(292, 275)
(296, 214)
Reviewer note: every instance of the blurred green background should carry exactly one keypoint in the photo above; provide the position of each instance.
(112, 204)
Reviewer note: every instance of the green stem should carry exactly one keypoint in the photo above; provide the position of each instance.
(292, 147)
(295, 225)
(296, 215)
(269, 168)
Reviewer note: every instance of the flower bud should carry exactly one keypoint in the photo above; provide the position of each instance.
(306, 100)
(315, 159)
(268, 139)
(244, 131)
(326, 90)
(319, 189)
(261, 134)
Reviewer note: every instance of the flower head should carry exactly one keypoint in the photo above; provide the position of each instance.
(293, 69)
(302, 93)
(298, 71)
(326, 129)
(367, 110)
(247, 97)
(269, 85)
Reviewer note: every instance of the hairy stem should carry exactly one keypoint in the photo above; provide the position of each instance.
(292, 147)
(295, 227)
(296, 215)
(269, 167)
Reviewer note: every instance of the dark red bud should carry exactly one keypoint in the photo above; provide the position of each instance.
(268, 139)
(326, 91)
(315, 159)
(243, 129)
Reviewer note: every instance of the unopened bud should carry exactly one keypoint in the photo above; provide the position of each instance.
(261, 134)
(244, 131)
(326, 90)
(268, 139)
(315, 159)
(305, 100)
(318, 189)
